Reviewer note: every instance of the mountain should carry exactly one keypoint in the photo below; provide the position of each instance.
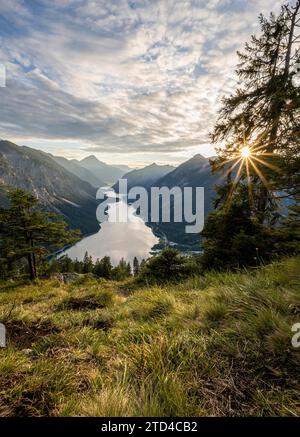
(83, 173)
(190, 168)
(196, 172)
(58, 190)
(145, 177)
(124, 168)
(108, 173)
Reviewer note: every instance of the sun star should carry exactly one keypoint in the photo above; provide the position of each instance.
(245, 152)
(250, 159)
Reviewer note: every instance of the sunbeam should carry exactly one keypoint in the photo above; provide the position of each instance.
(246, 157)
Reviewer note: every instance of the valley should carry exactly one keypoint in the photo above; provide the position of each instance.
(68, 187)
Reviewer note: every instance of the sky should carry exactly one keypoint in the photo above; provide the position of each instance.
(129, 81)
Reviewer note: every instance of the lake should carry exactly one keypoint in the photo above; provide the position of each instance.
(117, 240)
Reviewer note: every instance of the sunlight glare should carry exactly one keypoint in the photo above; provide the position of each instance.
(245, 152)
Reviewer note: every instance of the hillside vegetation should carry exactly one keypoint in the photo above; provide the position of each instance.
(218, 344)
(57, 189)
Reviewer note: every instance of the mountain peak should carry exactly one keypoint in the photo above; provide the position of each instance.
(90, 158)
(159, 166)
(199, 157)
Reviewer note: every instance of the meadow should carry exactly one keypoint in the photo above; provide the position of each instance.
(216, 345)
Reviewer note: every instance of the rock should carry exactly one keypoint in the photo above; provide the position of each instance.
(70, 277)
(27, 351)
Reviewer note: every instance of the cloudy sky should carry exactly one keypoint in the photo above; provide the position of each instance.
(131, 81)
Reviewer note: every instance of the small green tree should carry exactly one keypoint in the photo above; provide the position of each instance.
(136, 266)
(122, 271)
(234, 237)
(128, 269)
(88, 265)
(78, 266)
(103, 268)
(65, 264)
(27, 233)
(168, 266)
(142, 264)
(289, 231)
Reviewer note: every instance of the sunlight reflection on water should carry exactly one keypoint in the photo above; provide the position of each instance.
(117, 240)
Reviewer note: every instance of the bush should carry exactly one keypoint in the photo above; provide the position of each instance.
(168, 266)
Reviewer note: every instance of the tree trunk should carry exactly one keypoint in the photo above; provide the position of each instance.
(277, 107)
(30, 257)
(276, 111)
(33, 259)
(32, 271)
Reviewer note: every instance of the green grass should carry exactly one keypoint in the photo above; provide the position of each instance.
(217, 345)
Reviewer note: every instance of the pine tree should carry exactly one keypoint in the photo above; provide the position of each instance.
(88, 265)
(78, 266)
(263, 113)
(107, 267)
(261, 118)
(128, 269)
(66, 265)
(136, 266)
(103, 268)
(29, 233)
(122, 271)
(142, 264)
(169, 265)
(289, 232)
(233, 238)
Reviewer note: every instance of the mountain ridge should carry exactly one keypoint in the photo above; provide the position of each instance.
(145, 176)
(66, 187)
(195, 172)
(57, 189)
(78, 170)
(109, 174)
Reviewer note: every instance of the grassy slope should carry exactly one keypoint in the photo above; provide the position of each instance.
(214, 345)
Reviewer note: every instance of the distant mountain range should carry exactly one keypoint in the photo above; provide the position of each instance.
(196, 172)
(57, 189)
(68, 187)
(109, 174)
(74, 167)
(93, 171)
(145, 177)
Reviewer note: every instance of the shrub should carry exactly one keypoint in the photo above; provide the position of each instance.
(168, 266)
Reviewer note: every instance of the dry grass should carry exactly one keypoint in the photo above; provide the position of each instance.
(215, 345)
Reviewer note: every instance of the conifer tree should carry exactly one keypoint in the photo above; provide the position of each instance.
(142, 264)
(136, 266)
(263, 112)
(259, 125)
(87, 266)
(289, 231)
(28, 233)
(103, 268)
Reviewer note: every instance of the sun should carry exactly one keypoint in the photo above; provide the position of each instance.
(251, 159)
(245, 152)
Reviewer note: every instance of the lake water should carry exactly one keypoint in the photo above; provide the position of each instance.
(117, 240)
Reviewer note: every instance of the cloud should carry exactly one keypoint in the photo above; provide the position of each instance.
(121, 76)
